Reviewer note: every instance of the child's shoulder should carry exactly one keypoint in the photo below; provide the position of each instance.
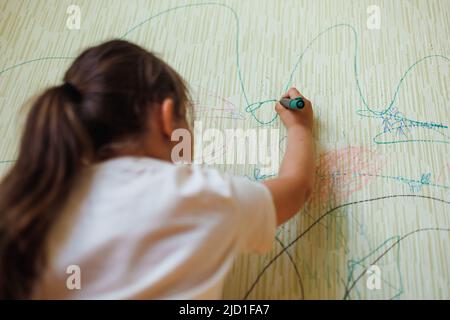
(153, 171)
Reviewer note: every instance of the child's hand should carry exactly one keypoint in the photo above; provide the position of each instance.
(293, 118)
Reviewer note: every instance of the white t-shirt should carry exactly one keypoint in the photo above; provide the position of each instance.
(142, 228)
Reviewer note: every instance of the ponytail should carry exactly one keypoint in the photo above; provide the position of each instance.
(53, 148)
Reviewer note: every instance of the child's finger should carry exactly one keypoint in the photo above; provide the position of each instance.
(279, 108)
(285, 95)
(294, 93)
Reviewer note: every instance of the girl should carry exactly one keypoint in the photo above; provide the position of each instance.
(93, 208)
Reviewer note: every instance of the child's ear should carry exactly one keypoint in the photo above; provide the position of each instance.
(168, 116)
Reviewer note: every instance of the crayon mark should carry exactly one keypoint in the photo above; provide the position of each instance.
(316, 222)
(252, 107)
(397, 242)
(336, 173)
(294, 265)
(368, 111)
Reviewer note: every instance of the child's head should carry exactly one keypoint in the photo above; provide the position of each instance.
(129, 101)
(116, 99)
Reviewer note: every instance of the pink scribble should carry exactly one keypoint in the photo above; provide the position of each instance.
(214, 109)
(338, 173)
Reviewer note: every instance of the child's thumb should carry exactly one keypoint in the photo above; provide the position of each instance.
(279, 108)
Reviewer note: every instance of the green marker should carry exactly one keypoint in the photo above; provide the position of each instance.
(295, 104)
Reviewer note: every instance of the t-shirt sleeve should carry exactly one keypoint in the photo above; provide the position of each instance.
(241, 210)
(255, 215)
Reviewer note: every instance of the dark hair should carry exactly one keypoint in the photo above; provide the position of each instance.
(105, 98)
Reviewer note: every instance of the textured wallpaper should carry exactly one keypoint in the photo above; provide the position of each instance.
(377, 72)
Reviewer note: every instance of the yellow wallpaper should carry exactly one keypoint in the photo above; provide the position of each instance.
(381, 99)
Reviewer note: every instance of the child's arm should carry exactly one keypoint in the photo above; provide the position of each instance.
(292, 188)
